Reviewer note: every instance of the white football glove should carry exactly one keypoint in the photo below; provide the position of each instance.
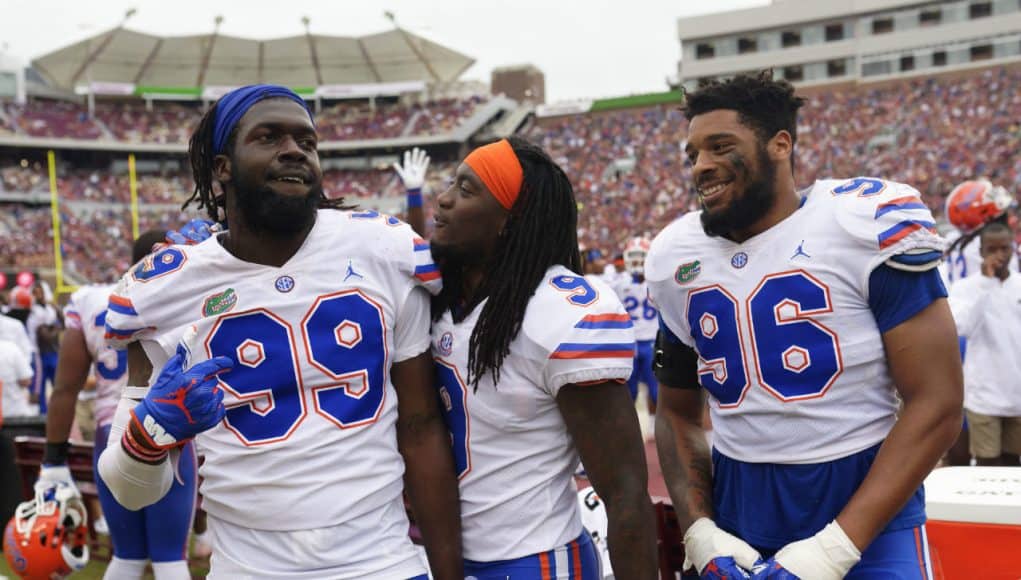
(830, 554)
(704, 542)
(412, 172)
(54, 477)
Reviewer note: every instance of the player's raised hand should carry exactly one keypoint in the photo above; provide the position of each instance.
(828, 555)
(717, 554)
(414, 169)
(182, 403)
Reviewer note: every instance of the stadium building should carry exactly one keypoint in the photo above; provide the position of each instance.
(812, 42)
(112, 114)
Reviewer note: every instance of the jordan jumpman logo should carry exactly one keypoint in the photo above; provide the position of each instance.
(176, 399)
(800, 251)
(351, 272)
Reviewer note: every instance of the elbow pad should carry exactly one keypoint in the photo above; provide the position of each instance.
(675, 364)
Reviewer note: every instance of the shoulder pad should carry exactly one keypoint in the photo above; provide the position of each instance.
(888, 218)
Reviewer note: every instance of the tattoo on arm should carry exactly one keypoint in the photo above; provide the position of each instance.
(687, 467)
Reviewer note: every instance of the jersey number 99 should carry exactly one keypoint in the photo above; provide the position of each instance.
(342, 335)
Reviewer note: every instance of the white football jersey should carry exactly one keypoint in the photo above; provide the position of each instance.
(14, 367)
(309, 439)
(514, 456)
(86, 311)
(13, 330)
(635, 297)
(788, 346)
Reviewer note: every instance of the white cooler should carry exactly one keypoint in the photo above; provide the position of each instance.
(974, 525)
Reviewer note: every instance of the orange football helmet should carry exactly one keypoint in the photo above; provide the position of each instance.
(47, 537)
(973, 203)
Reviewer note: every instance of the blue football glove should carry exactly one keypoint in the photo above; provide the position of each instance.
(773, 571)
(193, 232)
(182, 403)
(828, 555)
(716, 554)
(723, 568)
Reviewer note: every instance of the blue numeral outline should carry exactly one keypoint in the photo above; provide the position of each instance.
(863, 186)
(260, 402)
(797, 316)
(450, 413)
(158, 265)
(717, 367)
(785, 312)
(579, 291)
(355, 384)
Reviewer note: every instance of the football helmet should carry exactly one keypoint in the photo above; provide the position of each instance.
(973, 203)
(634, 256)
(21, 298)
(47, 537)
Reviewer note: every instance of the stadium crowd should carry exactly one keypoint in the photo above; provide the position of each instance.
(163, 123)
(627, 165)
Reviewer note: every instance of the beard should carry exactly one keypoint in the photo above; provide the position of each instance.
(451, 259)
(267, 211)
(757, 199)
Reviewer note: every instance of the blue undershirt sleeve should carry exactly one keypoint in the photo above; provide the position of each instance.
(896, 295)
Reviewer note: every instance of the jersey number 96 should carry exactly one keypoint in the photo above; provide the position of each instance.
(796, 357)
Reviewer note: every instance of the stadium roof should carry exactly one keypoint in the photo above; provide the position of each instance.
(121, 55)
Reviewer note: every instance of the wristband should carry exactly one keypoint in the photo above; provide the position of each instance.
(56, 453)
(414, 198)
(138, 451)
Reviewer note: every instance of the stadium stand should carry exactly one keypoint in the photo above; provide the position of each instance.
(626, 163)
(169, 123)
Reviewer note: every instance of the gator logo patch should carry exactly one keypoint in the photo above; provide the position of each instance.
(688, 271)
(220, 303)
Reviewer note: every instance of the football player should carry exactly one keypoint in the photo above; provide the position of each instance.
(986, 312)
(969, 208)
(532, 358)
(159, 532)
(295, 346)
(803, 315)
(634, 293)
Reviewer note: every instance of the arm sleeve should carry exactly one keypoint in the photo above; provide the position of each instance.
(411, 334)
(141, 298)
(965, 303)
(896, 295)
(133, 484)
(592, 344)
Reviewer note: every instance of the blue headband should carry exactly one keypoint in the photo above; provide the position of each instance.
(232, 106)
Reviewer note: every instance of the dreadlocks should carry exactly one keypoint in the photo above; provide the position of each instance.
(202, 157)
(541, 232)
(965, 239)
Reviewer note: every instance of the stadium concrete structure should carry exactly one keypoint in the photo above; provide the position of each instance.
(818, 42)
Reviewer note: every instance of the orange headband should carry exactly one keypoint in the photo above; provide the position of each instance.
(498, 167)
